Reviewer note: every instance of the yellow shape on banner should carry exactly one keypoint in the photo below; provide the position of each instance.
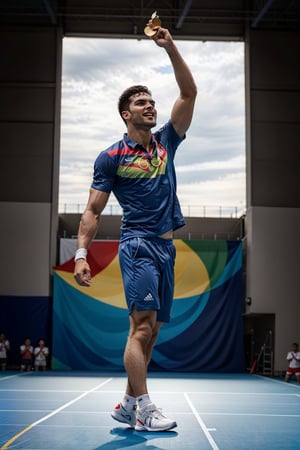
(107, 286)
(191, 276)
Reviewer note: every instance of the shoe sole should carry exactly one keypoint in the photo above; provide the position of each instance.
(122, 420)
(145, 428)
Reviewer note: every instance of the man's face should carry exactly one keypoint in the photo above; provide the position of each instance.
(142, 112)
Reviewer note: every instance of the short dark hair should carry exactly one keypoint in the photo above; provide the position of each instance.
(123, 104)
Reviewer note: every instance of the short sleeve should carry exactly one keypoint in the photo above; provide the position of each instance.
(169, 138)
(104, 173)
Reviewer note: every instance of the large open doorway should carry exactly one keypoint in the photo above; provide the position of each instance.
(211, 162)
(259, 341)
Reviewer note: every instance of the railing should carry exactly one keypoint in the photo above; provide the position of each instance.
(218, 211)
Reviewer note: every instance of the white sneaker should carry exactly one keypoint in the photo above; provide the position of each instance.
(152, 419)
(122, 415)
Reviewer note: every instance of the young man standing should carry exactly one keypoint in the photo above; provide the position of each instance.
(140, 171)
(293, 358)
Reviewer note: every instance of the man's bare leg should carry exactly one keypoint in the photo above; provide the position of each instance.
(147, 354)
(142, 335)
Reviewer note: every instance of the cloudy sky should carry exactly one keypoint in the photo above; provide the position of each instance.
(210, 163)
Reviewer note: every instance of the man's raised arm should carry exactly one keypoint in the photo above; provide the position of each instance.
(182, 112)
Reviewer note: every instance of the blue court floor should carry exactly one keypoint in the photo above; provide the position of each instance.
(71, 411)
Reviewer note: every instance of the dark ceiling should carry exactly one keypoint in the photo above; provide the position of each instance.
(185, 18)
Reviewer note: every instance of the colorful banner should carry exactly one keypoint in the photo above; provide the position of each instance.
(90, 325)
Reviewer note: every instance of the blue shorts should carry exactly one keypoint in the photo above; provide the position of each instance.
(147, 266)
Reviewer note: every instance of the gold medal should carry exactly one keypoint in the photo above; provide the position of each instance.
(155, 22)
(155, 162)
(143, 163)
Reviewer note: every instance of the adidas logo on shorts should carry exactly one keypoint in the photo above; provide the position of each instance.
(148, 298)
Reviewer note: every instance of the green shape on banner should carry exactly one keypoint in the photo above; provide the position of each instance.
(214, 261)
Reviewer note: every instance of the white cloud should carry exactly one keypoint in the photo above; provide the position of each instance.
(210, 162)
(225, 194)
(230, 164)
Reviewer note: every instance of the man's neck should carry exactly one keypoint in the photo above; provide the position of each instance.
(142, 137)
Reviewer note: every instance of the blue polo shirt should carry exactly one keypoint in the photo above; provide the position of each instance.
(144, 183)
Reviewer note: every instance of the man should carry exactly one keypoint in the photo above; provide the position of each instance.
(41, 354)
(140, 171)
(26, 352)
(4, 347)
(293, 358)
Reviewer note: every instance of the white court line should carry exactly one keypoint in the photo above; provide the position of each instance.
(275, 394)
(248, 414)
(278, 381)
(42, 419)
(51, 391)
(74, 391)
(239, 393)
(13, 376)
(201, 423)
(206, 413)
(71, 402)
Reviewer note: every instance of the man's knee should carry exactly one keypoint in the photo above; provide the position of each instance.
(143, 325)
(143, 332)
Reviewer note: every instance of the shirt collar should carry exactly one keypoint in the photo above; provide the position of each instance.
(131, 143)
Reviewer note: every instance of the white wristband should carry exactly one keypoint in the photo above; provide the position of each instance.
(81, 253)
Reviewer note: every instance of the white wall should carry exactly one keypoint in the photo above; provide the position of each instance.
(273, 276)
(30, 85)
(25, 265)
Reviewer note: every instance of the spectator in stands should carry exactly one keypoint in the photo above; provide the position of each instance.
(4, 347)
(40, 356)
(293, 358)
(139, 170)
(26, 352)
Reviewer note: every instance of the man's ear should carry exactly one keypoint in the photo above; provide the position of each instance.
(126, 115)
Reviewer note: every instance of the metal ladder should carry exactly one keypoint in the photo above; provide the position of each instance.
(266, 354)
(267, 362)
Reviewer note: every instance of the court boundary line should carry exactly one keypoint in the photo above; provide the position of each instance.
(201, 423)
(205, 413)
(20, 374)
(74, 391)
(42, 419)
(297, 386)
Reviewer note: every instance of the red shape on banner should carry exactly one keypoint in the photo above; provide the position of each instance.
(100, 255)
